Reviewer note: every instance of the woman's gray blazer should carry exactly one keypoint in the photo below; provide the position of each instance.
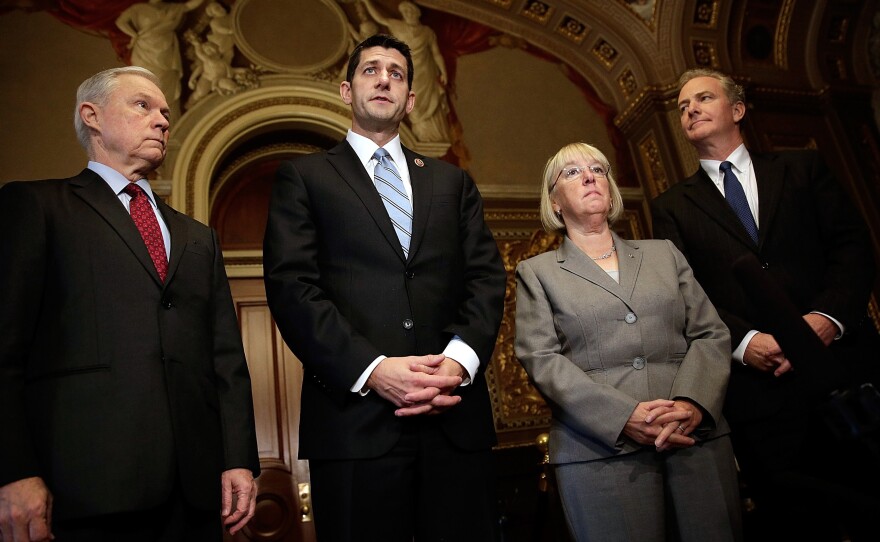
(595, 348)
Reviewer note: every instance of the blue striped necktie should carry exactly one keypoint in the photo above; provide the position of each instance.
(391, 189)
(736, 197)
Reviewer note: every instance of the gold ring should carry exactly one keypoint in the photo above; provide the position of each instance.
(680, 428)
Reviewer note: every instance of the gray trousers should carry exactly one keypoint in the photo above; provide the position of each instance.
(689, 494)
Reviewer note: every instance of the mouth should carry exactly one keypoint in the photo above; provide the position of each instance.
(381, 99)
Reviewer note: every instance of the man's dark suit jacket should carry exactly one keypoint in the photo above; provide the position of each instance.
(811, 240)
(342, 294)
(113, 385)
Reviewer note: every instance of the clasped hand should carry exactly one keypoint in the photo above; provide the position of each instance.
(764, 353)
(418, 384)
(25, 511)
(664, 423)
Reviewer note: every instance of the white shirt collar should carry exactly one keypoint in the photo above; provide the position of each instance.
(739, 158)
(117, 181)
(365, 148)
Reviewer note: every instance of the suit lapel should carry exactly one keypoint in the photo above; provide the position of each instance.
(346, 163)
(422, 180)
(91, 188)
(770, 178)
(704, 194)
(629, 262)
(573, 260)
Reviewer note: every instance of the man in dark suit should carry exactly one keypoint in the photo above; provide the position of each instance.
(125, 399)
(797, 221)
(394, 315)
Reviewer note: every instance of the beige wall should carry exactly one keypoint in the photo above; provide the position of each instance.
(518, 110)
(43, 62)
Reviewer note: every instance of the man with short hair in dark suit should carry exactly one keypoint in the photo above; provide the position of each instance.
(787, 211)
(386, 283)
(125, 399)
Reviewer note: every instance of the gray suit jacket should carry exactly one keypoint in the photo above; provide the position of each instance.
(595, 348)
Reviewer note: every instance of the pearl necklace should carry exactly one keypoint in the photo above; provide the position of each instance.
(607, 254)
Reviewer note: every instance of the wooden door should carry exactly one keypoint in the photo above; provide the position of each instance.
(284, 511)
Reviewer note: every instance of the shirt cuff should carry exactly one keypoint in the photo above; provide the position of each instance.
(360, 386)
(458, 350)
(741, 349)
(840, 328)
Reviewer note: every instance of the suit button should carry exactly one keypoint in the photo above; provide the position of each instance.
(639, 363)
(167, 303)
(410, 274)
(407, 324)
(765, 265)
(630, 318)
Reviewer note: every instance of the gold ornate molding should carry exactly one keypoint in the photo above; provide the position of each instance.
(519, 410)
(649, 151)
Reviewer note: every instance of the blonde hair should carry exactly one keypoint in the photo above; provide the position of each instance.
(566, 155)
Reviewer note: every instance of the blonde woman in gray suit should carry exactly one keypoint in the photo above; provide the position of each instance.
(633, 360)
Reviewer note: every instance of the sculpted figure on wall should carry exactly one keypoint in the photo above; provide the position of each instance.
(212, 73)
(154, 45)
(429, 118)
(364, 30)
(220, 31)
(211, 67)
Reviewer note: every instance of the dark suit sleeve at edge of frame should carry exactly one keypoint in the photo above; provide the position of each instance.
(850, 267)
(233, 378)
(22, 275)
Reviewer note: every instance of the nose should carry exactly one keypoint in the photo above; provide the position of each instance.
(384, 78)
(160, 121)
(587, 176)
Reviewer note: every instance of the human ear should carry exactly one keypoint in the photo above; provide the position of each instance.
(345, 92)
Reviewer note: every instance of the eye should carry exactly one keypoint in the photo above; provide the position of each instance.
(598, 170)
(396, 75)
(141, 103)
(571, 173)
(370, 70)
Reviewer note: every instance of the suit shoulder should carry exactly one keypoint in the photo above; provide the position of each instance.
(38, 188)
(427, 162)
(540, 260)
(794, 157)
(306, 161)
(41, 184)
(675, 191)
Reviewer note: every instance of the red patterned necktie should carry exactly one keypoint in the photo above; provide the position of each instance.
(145, 220)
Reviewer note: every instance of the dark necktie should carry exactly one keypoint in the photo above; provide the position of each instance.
(145, 220)
(390, 187)
(736, 197)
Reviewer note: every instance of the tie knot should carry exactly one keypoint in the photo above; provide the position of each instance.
(133, 190)
(726, 166)
(380, 154)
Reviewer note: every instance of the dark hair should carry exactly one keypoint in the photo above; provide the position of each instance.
(387, 42)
